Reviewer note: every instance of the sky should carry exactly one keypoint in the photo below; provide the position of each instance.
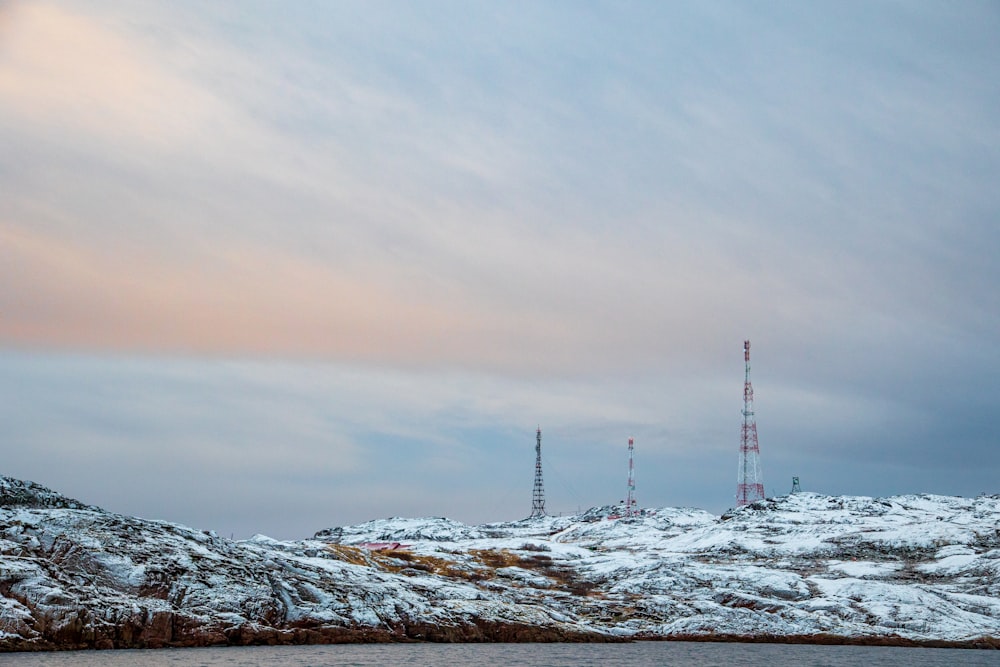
(276, 267)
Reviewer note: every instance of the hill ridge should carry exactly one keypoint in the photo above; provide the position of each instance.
(914, 569)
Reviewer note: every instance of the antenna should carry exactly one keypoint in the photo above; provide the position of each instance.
(538, 494)
(749, 484)
(630, 501)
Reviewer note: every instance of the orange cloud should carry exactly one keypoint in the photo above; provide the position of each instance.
(68, 71)
(243, 301)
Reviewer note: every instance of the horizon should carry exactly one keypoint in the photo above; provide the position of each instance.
(277, 268)
(644, 512)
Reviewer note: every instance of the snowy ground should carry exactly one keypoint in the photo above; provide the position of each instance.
(921, 568)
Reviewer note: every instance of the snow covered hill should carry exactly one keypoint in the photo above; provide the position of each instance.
(920, 569)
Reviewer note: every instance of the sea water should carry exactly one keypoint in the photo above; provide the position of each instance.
(637, 654)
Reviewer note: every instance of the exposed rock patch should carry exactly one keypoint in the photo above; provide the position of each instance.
(910, 570)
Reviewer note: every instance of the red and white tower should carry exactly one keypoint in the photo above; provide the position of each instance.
(630, 508)
(749, 484)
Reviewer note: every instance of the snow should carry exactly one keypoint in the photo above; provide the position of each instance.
(864, 569)
(917, 567)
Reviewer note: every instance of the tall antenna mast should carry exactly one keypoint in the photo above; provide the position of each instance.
(538, 495)
(749, 485)
(630, 497)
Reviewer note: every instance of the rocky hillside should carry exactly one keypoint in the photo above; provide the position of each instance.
(908, 569)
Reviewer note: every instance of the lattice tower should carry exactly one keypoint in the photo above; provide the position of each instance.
(750, 484)
(630, 501)
(538, 494)
(796, 487)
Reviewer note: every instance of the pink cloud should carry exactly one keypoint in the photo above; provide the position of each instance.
(70, 72)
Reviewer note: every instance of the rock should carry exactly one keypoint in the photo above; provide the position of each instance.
(906, 570)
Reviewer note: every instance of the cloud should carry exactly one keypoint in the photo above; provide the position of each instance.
(65, 71)
(500, 217)
(343, 201)
(248, 300)
(155, 435)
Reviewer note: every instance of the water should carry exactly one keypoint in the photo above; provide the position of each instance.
(639, 654)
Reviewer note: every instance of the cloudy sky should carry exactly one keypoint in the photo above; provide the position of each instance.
(274, 267)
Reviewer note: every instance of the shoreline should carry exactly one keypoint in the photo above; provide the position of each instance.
(475, 633)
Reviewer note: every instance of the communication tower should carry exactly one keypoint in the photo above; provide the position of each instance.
(538, 495)
(630, 502)
(750, 484)
(796, 487)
